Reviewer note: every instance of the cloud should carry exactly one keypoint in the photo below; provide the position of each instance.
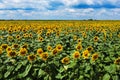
(59, 9)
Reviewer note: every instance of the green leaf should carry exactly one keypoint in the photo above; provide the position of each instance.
(7, 74)
(106, 77)
(59, 76)
(41, 73)
(115, 77)
(111, 68)
(18, 67)
(25, 73)
(1, 76)
(81, 77)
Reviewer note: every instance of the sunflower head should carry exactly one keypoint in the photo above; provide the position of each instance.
(18, 36)
(8, 49)
(31, 57)
(59, 47)
(79, 47)
(12, 53)
(30, 35)
(75, 37)
(90, 48)
(40, 39)
(25, 46)
(65, 60)
(117, 61)
(79, 40)
(39, 51)
(23, 51)
(4, 46)
(49, 48)
(55, 51)
(44, 56)
(76, 55)
(0, 51)
(15, 46)
(85, 54)
(96, 38)
(95, 56)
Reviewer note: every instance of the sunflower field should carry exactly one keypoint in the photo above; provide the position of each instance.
(60, 50)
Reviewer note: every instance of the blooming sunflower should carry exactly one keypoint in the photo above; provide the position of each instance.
(25, 46)
(85, 54)
(90, 48)
(40, 39)
(75, 37)
(30, 35)
(59, 47)
(117, 61)
(79, 47)
(23, 51)
(9, 38)
(0, 51)
(39, 51)
(15, 46)
(79, 40)
(96, 38)
(12, 53)
(31, 57)
(65, 60)
(55, 51)
(44, 56)
(49, 48)
(8, 49)
(4, 46)
(94, 56)
(76, 55)
(18, 37)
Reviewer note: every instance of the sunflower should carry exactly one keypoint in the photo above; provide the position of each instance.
(39, 51)
(40, 39)
(79, 47)
(23, 51)
(0, 51)
(59, 47)
(48, 34)
(9, 38)
(90, 48)
(4, 46)
(79, 40)
(94, 56)
(8, 49)
(49, 48)
(55, 51)
(30, 35)
(96, 38)
(25, 46)
(76, 55)
(75, 37)
(31, 57)
(85, 54)
(44, 56)
(18, 37)
(10, 31)
(65, 60)
(12, 53)
(15, 46)
(58, 34)
(117, 61)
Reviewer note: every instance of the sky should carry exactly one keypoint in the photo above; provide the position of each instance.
(60, 9)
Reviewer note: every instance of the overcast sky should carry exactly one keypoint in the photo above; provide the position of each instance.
(60, 9)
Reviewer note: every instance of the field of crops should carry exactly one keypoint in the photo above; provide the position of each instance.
(60, 50)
